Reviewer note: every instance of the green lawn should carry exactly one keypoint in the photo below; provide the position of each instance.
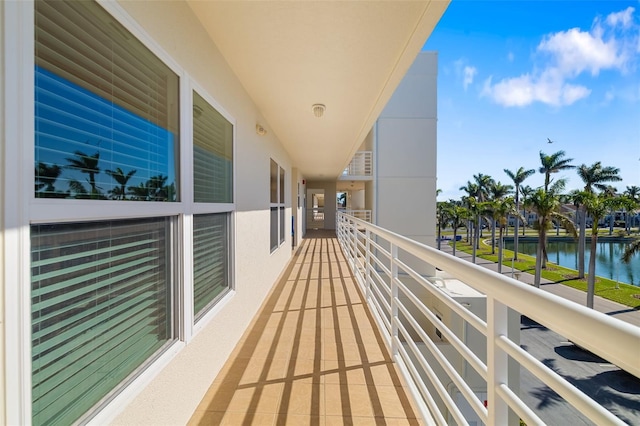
(618, 292)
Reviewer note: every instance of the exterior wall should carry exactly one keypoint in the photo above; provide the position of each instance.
(174, 394)
(170, 389)
(405, 165)
(357, 200)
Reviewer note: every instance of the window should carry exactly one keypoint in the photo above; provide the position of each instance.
(277, 179)
(212, 154)
(212, 183)
(106, 109)
(103, 293)
(210, 260)
(101, 304)
(106, 293)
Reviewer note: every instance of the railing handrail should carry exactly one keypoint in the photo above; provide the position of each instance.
(581, 325)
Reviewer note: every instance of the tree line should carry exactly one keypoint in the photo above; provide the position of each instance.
(488, 201)
(154, 189)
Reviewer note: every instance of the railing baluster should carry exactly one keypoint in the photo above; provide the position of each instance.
(394, 304)
(585, 327)
(497, 361)
(367, 273)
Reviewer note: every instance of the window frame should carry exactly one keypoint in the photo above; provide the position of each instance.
(21, 209)
(279, 206)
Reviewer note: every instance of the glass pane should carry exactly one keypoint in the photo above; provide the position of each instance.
(282, 225)
(106, 109)
(274, 228)
(212, 154)
(100, 306)
(281, 185)
(210, 259)
(274, 182)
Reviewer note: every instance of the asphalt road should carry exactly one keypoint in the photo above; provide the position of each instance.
(613, 388)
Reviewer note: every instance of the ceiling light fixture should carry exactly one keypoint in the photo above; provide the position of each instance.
(318, 110)
(260, 130)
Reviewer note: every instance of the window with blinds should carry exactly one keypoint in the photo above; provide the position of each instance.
(277, 210)
(106, 109)
(212, 154)
(210, 260)
(281, 207)
(101, 304)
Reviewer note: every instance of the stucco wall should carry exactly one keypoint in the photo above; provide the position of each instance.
(406, 154)
(3, 384)
(175, 392)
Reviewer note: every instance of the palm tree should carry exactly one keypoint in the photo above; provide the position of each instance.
(497, 192)
(158, 189)
(441, 219)
(457, 217)
(630, 250)
(87, 164)
(119, 193)
(518, 177)
(553, 163)
(596, 206)
(612, 192)
(502, 209)
(594, 177)
(633, 192)
(483, 182)
(526, 192)
(547, 206)
(45, 178)
(472, 190)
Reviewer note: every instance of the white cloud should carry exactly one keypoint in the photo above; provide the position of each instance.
(564, 56)
(623, 18)
(468, 74)
(548, 88)
(576, 51)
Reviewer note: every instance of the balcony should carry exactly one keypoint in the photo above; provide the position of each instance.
(360, 167)
(313, 354)
(354, 333)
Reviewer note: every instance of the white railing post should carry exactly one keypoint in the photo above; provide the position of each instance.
(394, 295)
(367, 272)
(354, 242)
(497, 362)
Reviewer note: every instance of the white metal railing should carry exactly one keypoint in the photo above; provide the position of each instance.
(402, 300)
(360, 214)
(361, 164)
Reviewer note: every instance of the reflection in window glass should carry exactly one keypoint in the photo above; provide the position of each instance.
(212, 154)
(106, 109)
(100, 306)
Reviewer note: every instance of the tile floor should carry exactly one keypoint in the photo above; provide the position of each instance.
(312, 356)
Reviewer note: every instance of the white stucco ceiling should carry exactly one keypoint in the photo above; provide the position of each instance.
(347, 55)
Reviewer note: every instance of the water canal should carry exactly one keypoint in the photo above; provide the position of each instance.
(608, 255)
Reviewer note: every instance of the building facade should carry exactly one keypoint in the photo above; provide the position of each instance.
(155, 161)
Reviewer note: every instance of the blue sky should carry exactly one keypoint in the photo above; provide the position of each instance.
(513, 73)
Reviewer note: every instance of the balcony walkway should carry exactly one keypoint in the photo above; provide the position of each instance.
(312, 356)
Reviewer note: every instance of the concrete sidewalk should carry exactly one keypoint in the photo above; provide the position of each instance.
(616, 310)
